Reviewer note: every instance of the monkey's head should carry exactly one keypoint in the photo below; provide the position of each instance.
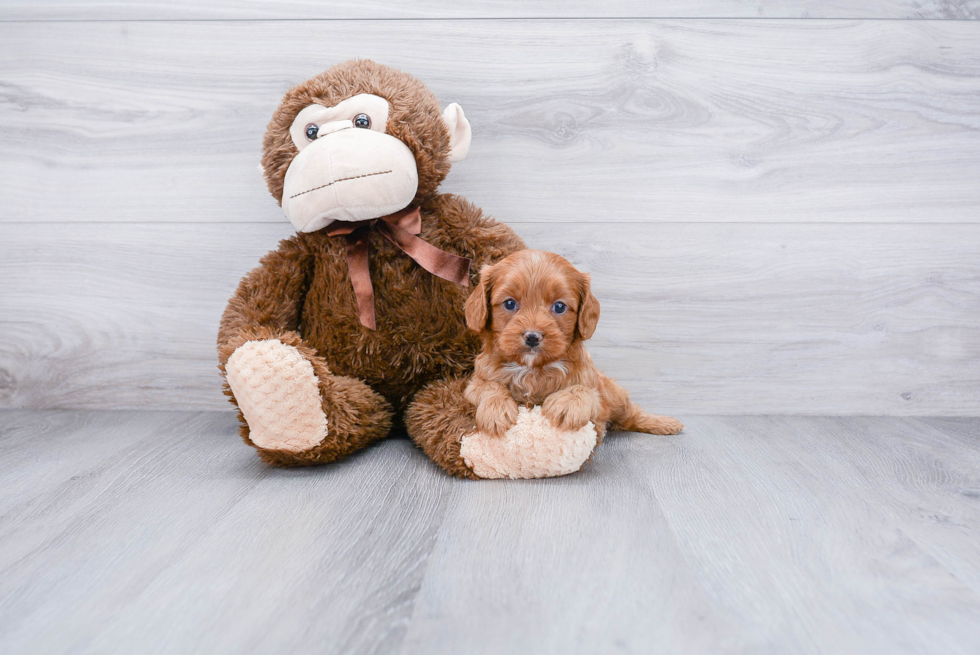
(359, 141)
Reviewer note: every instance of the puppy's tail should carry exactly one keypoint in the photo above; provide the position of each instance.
(635, 419)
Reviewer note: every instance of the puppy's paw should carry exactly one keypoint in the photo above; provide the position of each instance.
(496, 415)
(567, 411)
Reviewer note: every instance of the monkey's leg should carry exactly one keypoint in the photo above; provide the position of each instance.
(294, 411)
(441, 422)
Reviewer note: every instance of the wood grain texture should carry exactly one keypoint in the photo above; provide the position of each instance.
(180, 517)
(638, 120)
(743, 534)
(390, 9)
(700, 318)
(833, 516)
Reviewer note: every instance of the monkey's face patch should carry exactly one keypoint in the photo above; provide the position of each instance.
(348, 168)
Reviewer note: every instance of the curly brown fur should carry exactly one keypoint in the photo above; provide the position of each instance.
(421, 333)
(533, 310)
(357, 414)
(301, 294)
(438, 419)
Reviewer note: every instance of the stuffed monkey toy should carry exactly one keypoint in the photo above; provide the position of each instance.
(355, 325)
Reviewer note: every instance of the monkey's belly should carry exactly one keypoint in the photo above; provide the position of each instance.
(421, 333)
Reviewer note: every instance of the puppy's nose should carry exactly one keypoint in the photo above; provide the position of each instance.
(533, 338)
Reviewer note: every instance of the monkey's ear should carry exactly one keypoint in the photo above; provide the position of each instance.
(588, 309)
(459, 132)
(476, 305)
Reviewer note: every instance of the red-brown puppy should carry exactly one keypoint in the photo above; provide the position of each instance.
(533, 310)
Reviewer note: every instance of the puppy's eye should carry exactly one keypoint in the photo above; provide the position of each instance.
(362, 120)
(311, 131)
(510, 304)
(559, 307)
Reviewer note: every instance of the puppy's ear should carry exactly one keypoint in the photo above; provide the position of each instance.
(588, 309)
(476, 305)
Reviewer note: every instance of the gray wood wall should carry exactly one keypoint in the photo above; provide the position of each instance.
(779, 201)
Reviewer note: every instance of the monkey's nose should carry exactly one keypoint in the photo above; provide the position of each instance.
(533, 338)
(333, 126)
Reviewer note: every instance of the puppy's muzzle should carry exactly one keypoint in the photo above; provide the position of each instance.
(533, 339)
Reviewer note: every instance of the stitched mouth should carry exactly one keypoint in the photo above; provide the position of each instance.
(343, 179)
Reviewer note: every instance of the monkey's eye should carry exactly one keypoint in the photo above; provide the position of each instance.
(362, 120)
(311, 131)
(510, 304)
(559, 307)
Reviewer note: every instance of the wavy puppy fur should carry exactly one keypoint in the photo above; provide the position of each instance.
(533, 311)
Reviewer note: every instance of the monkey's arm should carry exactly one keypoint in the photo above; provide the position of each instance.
(463, 228)
(268, 300)
(265, 362)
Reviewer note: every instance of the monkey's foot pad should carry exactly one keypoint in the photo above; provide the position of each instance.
(532, 448)
(279, 395)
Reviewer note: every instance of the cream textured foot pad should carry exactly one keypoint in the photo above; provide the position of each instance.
(533, 448)
(278, 394)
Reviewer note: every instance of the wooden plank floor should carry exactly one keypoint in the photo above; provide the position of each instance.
(159, 532)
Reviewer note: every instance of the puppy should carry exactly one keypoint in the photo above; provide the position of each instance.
(533, 310)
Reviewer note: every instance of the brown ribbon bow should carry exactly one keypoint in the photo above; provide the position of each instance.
(402, 229)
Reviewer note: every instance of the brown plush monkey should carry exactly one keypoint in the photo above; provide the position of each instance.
(357, 321)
